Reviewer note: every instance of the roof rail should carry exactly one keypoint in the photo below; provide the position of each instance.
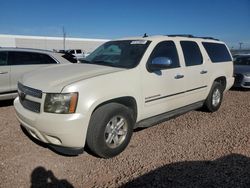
(191, 36)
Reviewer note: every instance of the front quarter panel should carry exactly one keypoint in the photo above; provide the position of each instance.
(100, 89)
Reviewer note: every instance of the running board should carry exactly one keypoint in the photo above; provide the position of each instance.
(168, 115)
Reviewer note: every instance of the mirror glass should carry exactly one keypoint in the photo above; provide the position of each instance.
(163, 62)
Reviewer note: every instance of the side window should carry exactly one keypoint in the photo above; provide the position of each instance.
(29, 58)
(72, 51)
(3, 58)
(166, 49)
(192, 53)
(46, 59)
(217, 52)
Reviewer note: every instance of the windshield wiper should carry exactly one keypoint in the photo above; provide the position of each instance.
(105, 63)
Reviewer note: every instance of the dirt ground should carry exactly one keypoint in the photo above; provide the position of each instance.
(197, 149)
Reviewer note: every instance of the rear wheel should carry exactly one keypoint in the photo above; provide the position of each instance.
(110, 130)
(214, 99)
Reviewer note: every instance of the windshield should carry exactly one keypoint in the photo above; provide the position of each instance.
(242, 60)
(122, 54)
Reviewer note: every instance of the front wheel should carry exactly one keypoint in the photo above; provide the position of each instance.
(214, 99)
(110, 130)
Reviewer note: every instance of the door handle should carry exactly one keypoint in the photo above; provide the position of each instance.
(179, 76)
(3, 72)
(203, 72)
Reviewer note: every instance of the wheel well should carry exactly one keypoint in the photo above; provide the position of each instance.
(129, 102)
(223, 81)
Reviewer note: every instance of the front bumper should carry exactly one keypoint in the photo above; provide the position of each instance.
(58, 130)
(242, 81)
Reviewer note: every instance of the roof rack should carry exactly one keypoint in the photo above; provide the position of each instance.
(191, 36)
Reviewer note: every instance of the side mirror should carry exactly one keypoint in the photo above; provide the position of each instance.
(160, 63)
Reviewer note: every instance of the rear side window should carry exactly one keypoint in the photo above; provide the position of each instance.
(3, 58)
(192, 53)
(166, 49)
(217, 52)
(29, 58)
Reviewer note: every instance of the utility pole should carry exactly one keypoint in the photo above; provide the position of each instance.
(240, 43)
(64, 37)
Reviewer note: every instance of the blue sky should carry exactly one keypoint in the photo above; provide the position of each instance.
(228, 20)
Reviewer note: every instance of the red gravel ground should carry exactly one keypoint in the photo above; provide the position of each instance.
(197, 149)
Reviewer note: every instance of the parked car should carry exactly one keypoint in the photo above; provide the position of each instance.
(77, 53)
(242, 71)
(14, 62)
(122, 85)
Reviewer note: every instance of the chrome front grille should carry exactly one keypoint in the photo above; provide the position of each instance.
(23, 91)
(30, 91)
(31, 105)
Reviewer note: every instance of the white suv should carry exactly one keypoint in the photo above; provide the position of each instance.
(14, 62)
(123, 84)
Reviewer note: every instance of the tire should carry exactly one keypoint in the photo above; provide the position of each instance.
(104, 137)
(214, 99)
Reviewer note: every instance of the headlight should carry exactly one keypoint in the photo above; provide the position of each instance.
(61, 103)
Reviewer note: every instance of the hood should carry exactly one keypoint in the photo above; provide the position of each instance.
(241, 69)
(55, 78)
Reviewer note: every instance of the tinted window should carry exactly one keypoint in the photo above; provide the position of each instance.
(166, 49)
(217, 52)
(29, 58)
(3, 58)
(192, 53)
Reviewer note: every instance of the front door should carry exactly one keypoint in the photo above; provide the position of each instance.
(163, 90)
(24, 62)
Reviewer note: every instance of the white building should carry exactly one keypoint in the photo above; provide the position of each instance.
(50, 43)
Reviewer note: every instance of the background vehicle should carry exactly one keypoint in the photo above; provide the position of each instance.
(78, 53)
(242, 71)
(122, 85)
(68, 56)
(16, 62)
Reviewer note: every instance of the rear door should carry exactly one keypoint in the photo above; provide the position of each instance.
(24, 62)
(4, 73)
(196, 72)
